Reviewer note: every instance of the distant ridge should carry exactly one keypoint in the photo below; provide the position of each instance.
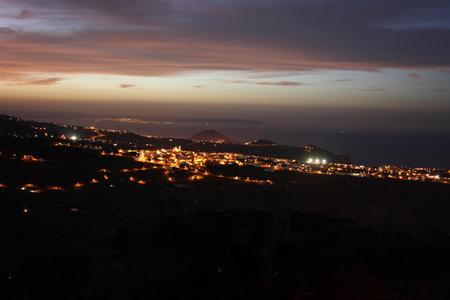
(211, 136)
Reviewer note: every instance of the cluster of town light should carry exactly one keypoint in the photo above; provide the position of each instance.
(316, 161)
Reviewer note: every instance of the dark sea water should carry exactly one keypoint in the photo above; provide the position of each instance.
(368, 136)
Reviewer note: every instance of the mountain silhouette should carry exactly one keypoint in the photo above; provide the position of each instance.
(211, 136)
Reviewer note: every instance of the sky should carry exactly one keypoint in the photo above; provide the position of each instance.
(374, 56)
(289, 51)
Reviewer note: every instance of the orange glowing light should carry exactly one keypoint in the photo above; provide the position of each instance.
(30, 158)
(78, 185)
(55, 188)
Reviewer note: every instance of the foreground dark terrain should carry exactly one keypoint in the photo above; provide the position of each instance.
(79, 224)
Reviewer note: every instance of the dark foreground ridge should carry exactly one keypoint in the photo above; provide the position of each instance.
(229, 255)
(77, 223)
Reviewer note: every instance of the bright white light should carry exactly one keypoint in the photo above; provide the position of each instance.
(74, 138)
(310, 161)
(324, 161)
(317, 161)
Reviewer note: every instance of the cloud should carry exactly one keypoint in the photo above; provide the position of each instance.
(6, 31)
(346, 80)
(24, 14)
(45, 81)
(269, 83)
(126, 86)
(21, 79)
(414, 76)
(132, 11)
(132, 53)
(162, 37)
(280, 83)
(372, 89)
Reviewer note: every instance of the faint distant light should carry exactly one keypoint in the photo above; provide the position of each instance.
(74, 138)
(25, 210)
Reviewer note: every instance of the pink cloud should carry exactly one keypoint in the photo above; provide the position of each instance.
(6, 31)
(162, 37)
(45, 81)
(270, 83)
(281, 83)
(24, 14)
(414, 76)
(126, 86)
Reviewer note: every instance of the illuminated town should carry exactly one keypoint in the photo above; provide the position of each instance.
(197, 165)
(177, 158)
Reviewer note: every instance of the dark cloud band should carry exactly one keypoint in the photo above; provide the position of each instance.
(152, 38)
